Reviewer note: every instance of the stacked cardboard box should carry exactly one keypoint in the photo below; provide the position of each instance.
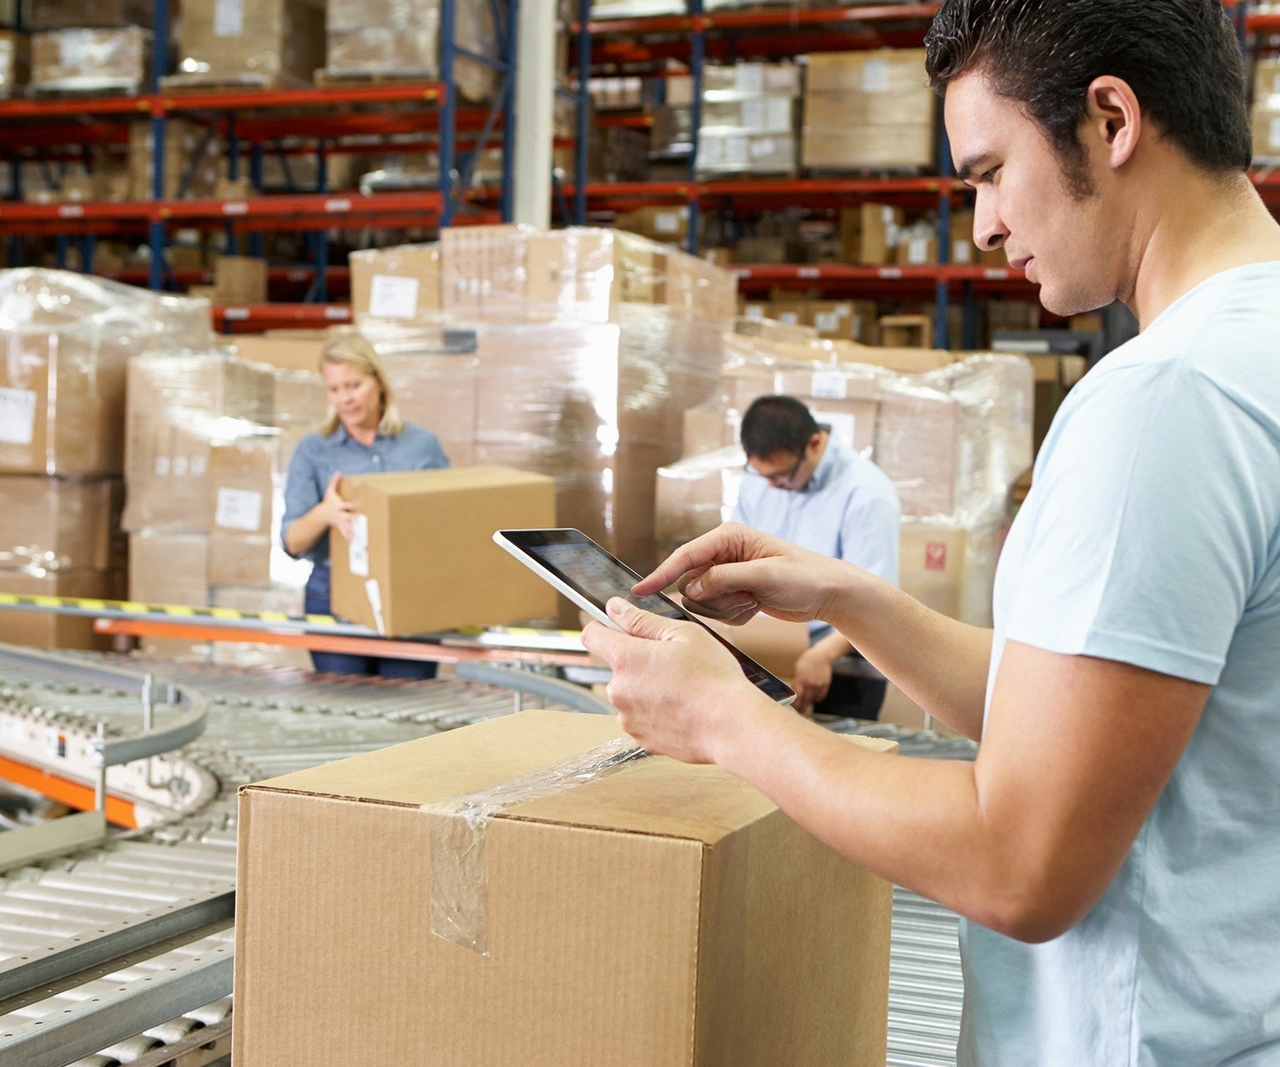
(402, 37)
(748, 119)
(743, 940)
(1266, 109)
(89, 59)
(204, 478)
(66, 342)
(15, 62)
(66, 339)
(264, 43)
(868, 110)
(61, 538)
(589, 345)
(952, 433)
(73, 14)
(192, 163)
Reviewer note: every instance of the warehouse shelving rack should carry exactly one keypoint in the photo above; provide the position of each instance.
(643, 44)
(294, 120)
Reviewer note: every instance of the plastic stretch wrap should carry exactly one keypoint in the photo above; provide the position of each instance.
(59, 524)
(250, 42)
(87, 59)
(402, 37)
(590, 344)
(65, 341)
(749, 119)
(459, 874)
(697, 494)
(14, 62)
(951, 566)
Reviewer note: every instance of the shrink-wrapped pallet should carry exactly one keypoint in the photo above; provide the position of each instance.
(65, 341)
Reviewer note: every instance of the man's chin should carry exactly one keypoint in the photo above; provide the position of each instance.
(1066, 304)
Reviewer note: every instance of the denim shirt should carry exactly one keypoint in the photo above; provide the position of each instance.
(317, 458)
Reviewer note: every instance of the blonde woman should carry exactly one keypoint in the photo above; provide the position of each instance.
(362, 434)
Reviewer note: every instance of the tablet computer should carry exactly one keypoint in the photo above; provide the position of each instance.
(588, 575)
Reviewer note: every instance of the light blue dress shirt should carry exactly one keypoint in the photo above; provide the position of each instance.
(1151, 536)
(849, 510)
(318, 458)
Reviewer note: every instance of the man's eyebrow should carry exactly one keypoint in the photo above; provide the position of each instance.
(965, 170)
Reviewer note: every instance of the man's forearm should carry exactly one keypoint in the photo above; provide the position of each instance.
(938, 662)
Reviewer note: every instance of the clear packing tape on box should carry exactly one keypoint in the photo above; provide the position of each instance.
(458, 833)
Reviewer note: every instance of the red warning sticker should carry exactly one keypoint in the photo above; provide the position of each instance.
(935, 555)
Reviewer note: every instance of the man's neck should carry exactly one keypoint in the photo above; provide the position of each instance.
(1201, 230)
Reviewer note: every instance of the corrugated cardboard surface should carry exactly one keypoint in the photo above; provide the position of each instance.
(431, 551)
(662, 914)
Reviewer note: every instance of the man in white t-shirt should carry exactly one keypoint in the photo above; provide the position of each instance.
(1115, 848)
(808, 487)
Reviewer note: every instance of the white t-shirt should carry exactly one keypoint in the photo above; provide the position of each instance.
(1152, 536)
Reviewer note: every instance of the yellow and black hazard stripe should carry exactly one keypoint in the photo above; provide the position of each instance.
(132, 609)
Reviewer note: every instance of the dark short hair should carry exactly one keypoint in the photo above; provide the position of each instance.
(1181, 58)
(777, 424)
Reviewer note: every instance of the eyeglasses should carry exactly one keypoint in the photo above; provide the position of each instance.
(778, 480)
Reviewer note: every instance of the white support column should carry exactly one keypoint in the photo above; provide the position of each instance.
(535, 109)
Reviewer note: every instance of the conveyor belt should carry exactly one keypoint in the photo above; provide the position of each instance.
(179, 869)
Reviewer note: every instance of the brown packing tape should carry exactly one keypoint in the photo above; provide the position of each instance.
(459, 874)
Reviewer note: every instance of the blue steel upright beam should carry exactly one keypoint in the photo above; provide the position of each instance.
(159, 64)
(449, 110)
(697, 59)
(580, 149)
(506, 203)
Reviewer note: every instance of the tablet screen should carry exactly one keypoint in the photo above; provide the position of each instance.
(593, 573)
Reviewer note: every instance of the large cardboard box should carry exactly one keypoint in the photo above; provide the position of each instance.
(70, 14)
(49, 630)
(61, 523)
(99, 60)
(423, 558)
(267, 42)
(169, 568)
(15, 62)
(400, 284)
(656, 914)
(240, 280)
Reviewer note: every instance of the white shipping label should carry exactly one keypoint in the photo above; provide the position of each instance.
(753, 311)
(374, 594)
(180, 466)
(918, 250)
(358, 547)
(238, 509)
(751, 77)
(1275, 133)
(17, 416)
(778, 113)
(162, 466)
(789, 318)
(875, 76)
(393, 298)
(844, 424)
(962, 251)
(667, 222)
(826, 322)
(829, 383)
(228, 18)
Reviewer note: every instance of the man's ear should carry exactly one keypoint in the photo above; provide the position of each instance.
(1113, 118)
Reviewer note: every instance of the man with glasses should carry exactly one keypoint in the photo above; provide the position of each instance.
(808, 487)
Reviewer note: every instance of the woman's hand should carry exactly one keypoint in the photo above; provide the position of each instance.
(336, 511)
(733, 572)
